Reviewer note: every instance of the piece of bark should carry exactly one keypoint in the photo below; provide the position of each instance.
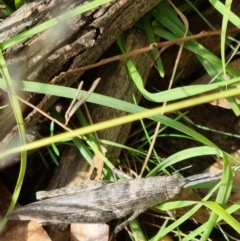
(73, 168)
(81, 41)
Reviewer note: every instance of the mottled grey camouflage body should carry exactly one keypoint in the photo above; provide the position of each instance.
(102, 201)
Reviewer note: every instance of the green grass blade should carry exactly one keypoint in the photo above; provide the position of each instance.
(21, 130)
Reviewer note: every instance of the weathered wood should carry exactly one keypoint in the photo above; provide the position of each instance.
(114, 77)
(82, 40)
(73, 167)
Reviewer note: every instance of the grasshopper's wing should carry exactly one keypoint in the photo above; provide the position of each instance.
(81, 207)
(86, 186)
(66, 214)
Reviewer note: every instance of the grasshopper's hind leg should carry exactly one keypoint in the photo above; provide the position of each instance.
(125, 223)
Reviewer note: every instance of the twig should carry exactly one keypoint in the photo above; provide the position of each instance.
(68, 112)
(152, 46)
(74, 106)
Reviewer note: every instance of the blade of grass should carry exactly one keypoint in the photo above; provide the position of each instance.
(219, 6)
(141, 113)
(18, 3)
(175, 93)
(21, 130)
(210, 62)
(149, 31)
(185, 154)
(178, 204)
(222, 197)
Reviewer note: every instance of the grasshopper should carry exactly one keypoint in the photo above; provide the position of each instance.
(103, 201)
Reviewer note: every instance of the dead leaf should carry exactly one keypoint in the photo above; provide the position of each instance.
(98, 164)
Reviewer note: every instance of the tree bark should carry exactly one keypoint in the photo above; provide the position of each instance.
(84, 40)
(72, 166)
(77, 42)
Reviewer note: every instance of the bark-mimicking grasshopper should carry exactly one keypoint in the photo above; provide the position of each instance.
(102, 201)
